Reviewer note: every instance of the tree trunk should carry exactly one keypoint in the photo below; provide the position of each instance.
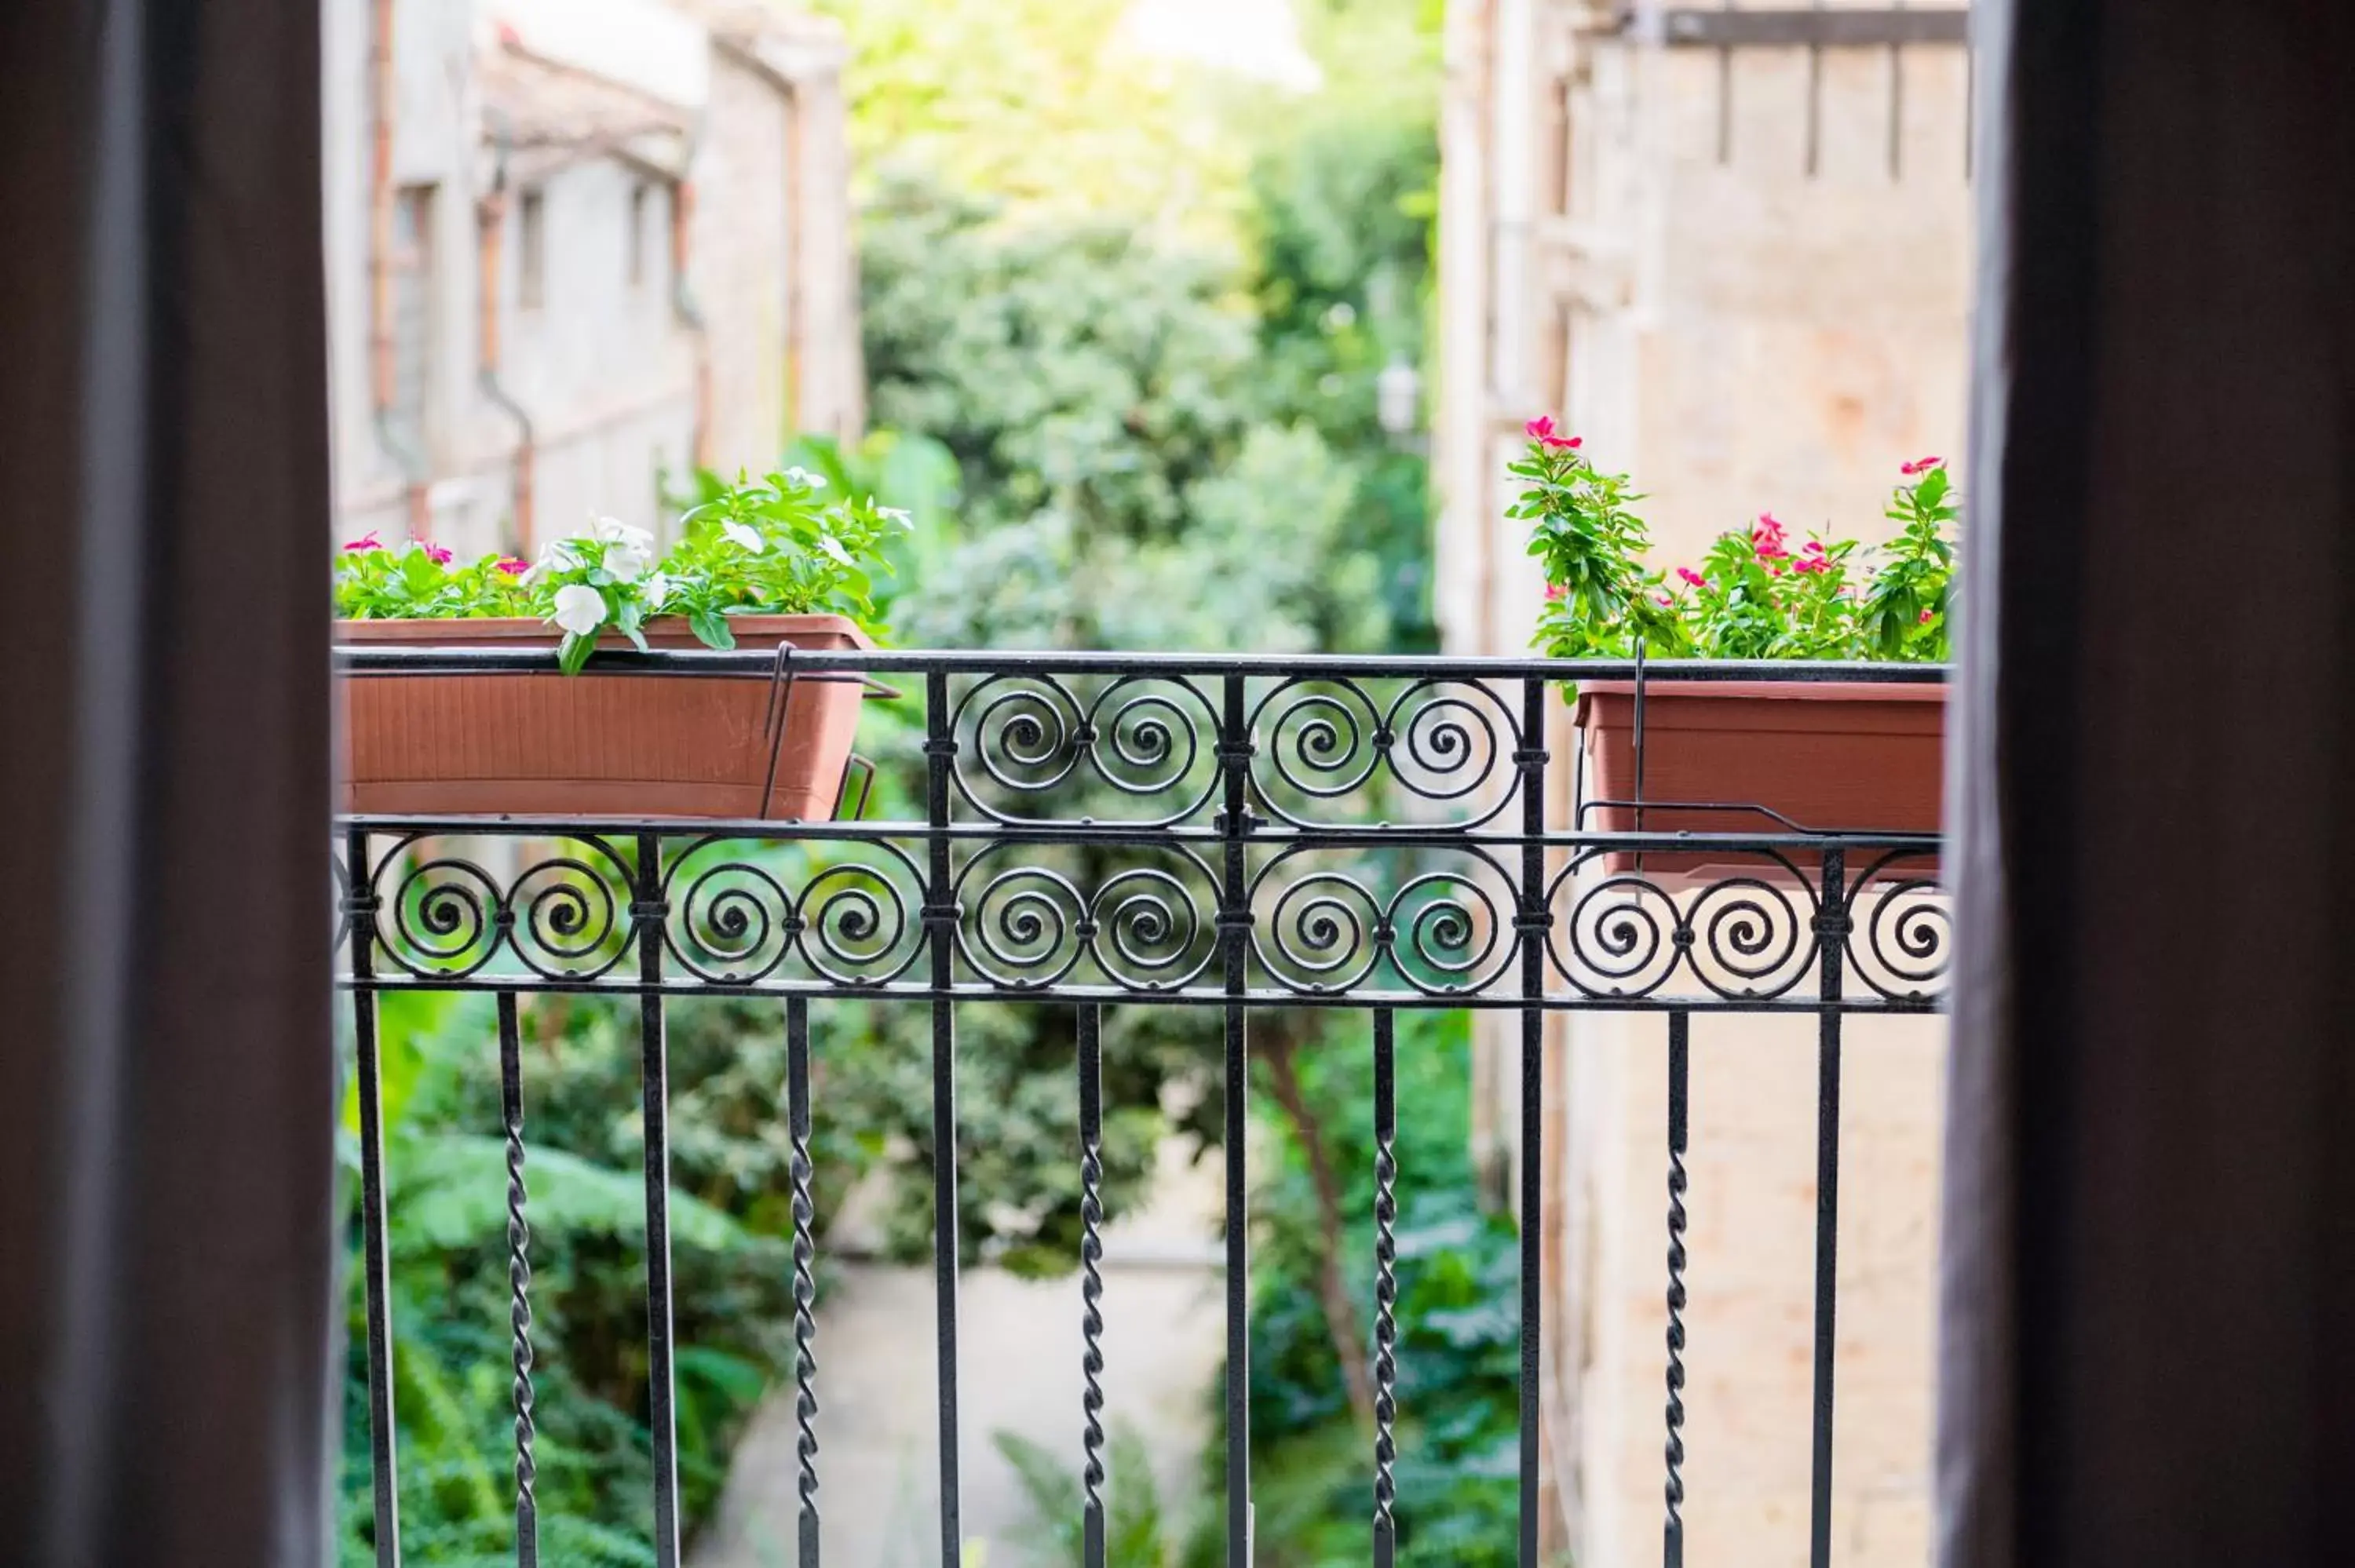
(1348, 1335)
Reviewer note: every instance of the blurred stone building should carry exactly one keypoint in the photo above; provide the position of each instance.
(1730, 245)
(576, 247)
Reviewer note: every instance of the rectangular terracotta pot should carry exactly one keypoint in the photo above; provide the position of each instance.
(534, 745)
(1855, 757)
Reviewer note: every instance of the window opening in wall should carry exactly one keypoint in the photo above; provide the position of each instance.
(531, 247)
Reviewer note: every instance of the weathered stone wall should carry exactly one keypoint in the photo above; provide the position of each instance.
(742, 258)
(1744, 279)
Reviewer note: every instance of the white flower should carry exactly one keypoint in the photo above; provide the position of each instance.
(895, 514)
(627, 562)
(612, 531)
(805, 479)
(579, 609)
(559, 556)
(745, 537)
(656, 591)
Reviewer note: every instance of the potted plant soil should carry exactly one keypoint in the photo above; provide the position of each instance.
(1746, 756)
(762, 564)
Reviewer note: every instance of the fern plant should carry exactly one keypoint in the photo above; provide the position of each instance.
(1138, 1530)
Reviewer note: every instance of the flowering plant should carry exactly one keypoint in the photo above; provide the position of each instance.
(771, 547)
(1753, 595)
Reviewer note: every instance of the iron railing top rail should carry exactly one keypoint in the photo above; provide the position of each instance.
(762, 661)
(1045, 831)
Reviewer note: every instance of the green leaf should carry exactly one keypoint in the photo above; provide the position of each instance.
(711, 628)
(574, 652)
(454, 1193)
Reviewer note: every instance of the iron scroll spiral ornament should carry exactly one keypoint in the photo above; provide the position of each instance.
(730, 919)
(1751, 937)
(567, 918)
(854, 924)
(733, 920)
(1447, 930)
(1146, 740)
(1328, 739)
(1024, 731)
(1146, 931)
(1142, 736)
(1023, 926)
(1627, 937)
(1326, 931)
(1143, 927)
(1743, 937)
(1901, 935)
(448, 918)
(445, 917)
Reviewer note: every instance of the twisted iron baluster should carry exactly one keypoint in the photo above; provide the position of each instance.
(1091, 1361)
(797, 1071)
(1679, 1046)
(1385, 1289)
(527, 1471)
(361, 907)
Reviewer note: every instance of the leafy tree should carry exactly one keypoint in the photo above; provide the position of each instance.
(1343, 194)
(1037, 102)
(1101, 393)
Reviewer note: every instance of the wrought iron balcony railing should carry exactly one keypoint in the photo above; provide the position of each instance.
(1103, 831)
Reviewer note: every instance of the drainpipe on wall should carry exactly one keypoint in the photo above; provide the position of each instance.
(690, 314)
(1513, 168)
(490, 220)
(796, 256)
(382, 93)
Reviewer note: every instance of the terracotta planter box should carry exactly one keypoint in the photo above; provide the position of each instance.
(1848, 756)
(596, 745)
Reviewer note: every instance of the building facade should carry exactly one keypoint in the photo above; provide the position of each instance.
(576, 248)
(1730, 247)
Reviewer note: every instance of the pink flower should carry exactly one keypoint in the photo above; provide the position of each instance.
(435, 553)
(1541, 430)
(1773, 567)
(1811, 564)
(1922, 465)
(1928, 615)
(514, 565)
(1766, 538)
(1667, 602)
(1692, 577)
(1814, 547)
(1556, 593)
(365, 541)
